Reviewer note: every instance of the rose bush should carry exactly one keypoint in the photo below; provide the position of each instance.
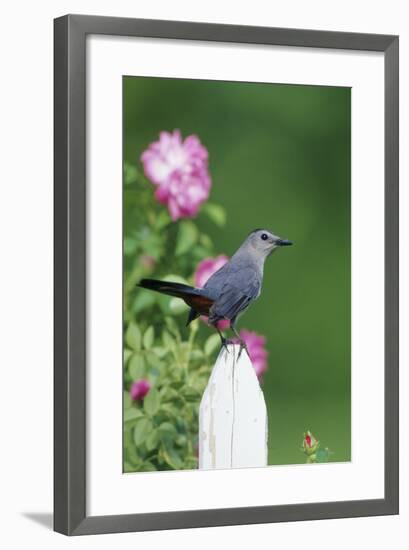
(166, 365)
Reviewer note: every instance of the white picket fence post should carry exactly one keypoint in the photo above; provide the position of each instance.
(233, 428)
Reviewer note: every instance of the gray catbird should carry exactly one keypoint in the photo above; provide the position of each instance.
(229, 291)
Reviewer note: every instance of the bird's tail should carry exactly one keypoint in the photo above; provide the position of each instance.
(167, 287)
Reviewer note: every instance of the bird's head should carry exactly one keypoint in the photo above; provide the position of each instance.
(264, 242)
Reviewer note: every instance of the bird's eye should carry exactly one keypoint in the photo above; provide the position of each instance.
(264, 236)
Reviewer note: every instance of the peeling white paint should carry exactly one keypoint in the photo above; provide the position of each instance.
(233, 416)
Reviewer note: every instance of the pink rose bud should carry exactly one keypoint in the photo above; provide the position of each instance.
(139, 389)
(179, 169)
(204, 271)
(310, 444)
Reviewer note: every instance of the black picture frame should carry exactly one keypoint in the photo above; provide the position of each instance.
(70, 357)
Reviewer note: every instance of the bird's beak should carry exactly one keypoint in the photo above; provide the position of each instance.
(284, 242)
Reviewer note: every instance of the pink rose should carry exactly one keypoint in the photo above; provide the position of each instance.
(204, 271)
(179, 169)
(257, 351)
(139, 389)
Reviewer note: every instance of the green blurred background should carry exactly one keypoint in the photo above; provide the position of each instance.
(279, 157)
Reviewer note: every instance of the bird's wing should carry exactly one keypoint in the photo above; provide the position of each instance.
(214, 285)
(239, 290)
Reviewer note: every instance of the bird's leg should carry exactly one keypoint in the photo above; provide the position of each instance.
(241, 341)
(223, 339)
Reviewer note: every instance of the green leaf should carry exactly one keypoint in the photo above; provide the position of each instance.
(187, 237)
(127, 355)
(171, 410)
(148, 467)
(177, 306)
(133, 337)
(159, 351)
(153, 360)
(171, 457)
(133, 457)
(127, 400)
(206, 241)
(169, 394)
(132, 414)
(163, 219)
(152, 440)
(167, 339)
(190, 463)
(215, 213)
(129, 246)
(128, 467)
(196, 354)
(191, 394)
(152, 243)
(136, 366)
(142, 430)
(177, 381)
(151, 402)
(172, 326)
(148, 338)
(143, 300)
(181, 440)
(168, 429)
(211, 344)
(323, 455)
(200, 253)
(130, 174)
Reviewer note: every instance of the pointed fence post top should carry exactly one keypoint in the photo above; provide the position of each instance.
(233, 415)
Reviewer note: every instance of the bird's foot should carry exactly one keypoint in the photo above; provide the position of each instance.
(225, 344)
(243, 346)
